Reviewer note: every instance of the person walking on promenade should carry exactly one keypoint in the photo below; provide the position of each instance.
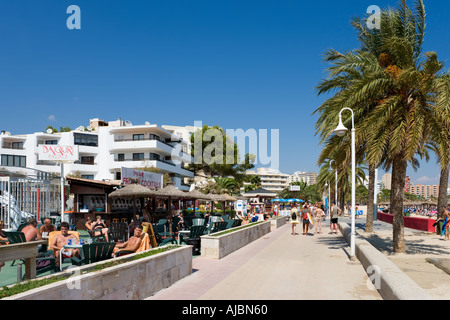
(318, 216)
(446, 216)
(305, 218)
(294, 218)
(334, 213)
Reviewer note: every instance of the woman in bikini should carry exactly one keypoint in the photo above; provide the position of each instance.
(98, 227)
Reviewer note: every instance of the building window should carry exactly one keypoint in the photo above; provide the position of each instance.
(17, 145)
(87, 160)
(85, 139)
(154, 137)
(138, 137)
(87, 176)
(138, 156)
(14, 161)
(51, 141)
(121, 157)
(155, 156)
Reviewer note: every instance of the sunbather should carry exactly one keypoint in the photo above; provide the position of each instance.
(62, 239)
(132, 244)
(98, 227)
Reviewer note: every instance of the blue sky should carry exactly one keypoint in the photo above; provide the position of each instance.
(235, 63)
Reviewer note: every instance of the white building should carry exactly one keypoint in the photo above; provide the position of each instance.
(378, 185)
(309, 177)
(386, 179)
(104, 148)
(271, 179)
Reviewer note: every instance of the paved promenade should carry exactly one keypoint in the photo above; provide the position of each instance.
(278, 266)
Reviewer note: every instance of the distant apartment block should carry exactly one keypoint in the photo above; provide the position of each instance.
(407, 187)
(425, 191)
(386, 180)
(309, 177)
(271, 179)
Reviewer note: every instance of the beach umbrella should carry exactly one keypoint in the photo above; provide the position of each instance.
(133, 191)
(171, 191)
(213, 197)
(295, 200)
(196, 194)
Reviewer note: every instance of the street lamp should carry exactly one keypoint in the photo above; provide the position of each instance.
(340, 131)
(335, 179)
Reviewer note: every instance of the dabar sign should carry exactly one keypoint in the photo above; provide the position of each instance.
(145, 178)
(58, 153)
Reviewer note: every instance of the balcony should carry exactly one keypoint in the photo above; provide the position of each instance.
(163, 165)
(143, 144)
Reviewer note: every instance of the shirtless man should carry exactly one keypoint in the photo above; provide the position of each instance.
(31, 232)
(47, 227)
(62, 239)
(132, 244)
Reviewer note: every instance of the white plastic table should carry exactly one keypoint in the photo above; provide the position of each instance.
(184, 232)
(68, 246)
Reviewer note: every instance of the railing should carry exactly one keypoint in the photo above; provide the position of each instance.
(144, 139)
(6, 146)
(145, 159)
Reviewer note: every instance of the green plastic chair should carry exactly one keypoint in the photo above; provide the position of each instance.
(94, 252)
(195, 232)
(198, 222)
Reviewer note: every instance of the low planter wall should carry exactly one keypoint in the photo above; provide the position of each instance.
(133, 280)
(424, 224)
(275, 223)
(391, 282)
(217, 247)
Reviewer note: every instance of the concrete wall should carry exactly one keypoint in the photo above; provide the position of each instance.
(391, 282)
(276, 223)
(128, 281)
(217, 247)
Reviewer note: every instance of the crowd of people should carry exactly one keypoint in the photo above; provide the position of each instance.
(313, 216)
(64, 236)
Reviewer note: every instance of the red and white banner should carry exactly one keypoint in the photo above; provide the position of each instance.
(145, 178)
(58, 153)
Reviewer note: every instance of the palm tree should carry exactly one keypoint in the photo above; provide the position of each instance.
(391, 92)
(440, 143)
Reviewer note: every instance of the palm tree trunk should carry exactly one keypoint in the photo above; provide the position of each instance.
(370, 199)
(443, 185)
(397, 186)
(342, 201)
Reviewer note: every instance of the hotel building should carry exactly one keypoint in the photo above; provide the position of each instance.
(425, 191)
(309, 177)
(271, 179)
(104, 148)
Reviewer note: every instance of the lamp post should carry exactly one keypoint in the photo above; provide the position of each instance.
(335, 179)
(340, 131)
